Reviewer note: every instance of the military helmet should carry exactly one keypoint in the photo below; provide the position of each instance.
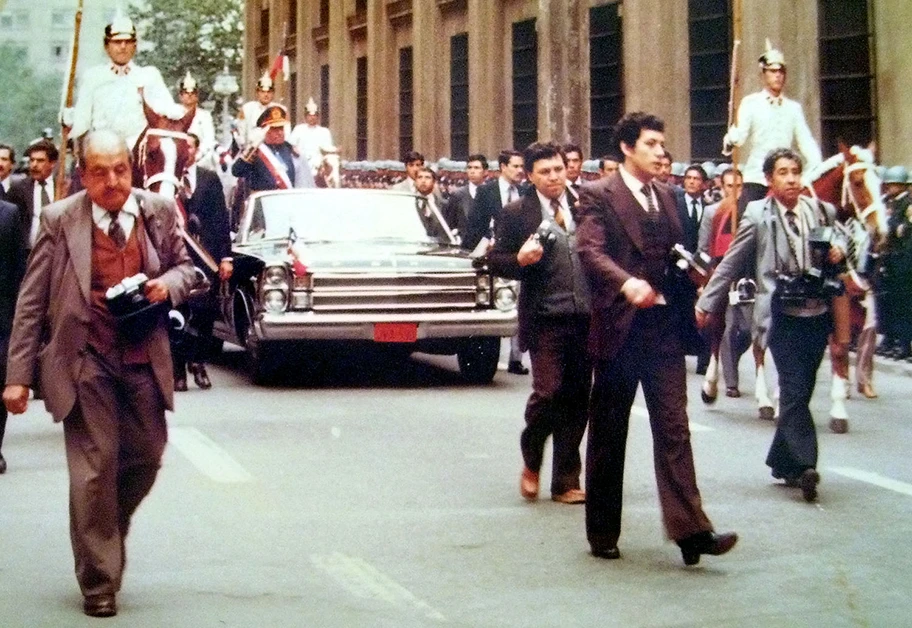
(265, 83)
(311, 107)
(121, 28)
(709, 169)
(677, 169)
(772, 59)
(896, 174)
(187, 84)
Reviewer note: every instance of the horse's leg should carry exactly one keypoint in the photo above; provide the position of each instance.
(761, 392)
(867, 341)
(714, 331)
(839, 358)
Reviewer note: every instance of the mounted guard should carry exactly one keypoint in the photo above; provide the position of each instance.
(202, 125)
(313, 141)
(251, 111)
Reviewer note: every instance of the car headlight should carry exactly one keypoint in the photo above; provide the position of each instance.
(483, 289)
(275, 276)
(505, 298)
(274, 301)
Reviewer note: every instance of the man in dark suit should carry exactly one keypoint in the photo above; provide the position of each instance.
(10, 277)
(573, 153)
(462, 200)
(108, 388)
(208, 224)
(691, 211)
(553, 320)
(7, 178)
(37, 190)
(628, 225)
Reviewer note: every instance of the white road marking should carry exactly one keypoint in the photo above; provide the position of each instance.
(363, 580)
(336, 432)
(502, 366)
(640, 411)
(205, 455)
(873, 478)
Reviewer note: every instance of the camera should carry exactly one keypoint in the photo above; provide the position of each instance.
(545, 236)
(697, 266)
(136, 316)
(797, 289)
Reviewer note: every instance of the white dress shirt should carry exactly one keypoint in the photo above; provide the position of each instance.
(689, 201)
(473, 189)
(505, 191)
(36, 207)
(765, 123)
(126, 216)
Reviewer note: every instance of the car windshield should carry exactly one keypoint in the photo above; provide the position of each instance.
(339, 215)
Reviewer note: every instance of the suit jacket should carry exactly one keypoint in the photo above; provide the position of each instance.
(459, 206)
(487, 207)
(760, 242)
(691, 231)
(22, 193)
(208, 216)
(10, 264)
(610, 244)
(54, 301)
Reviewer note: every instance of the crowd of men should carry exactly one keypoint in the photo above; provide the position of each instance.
(604, 307)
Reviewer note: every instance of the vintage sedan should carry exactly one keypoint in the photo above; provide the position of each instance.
(322, 266)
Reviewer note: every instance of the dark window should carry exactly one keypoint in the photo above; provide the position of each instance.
(710, 38)
(324, 94)
(324, 13)
(525, 84)
(292, 19)
(293, 94)
(847, 92)
(264, 24)
(406, 98)
(361, 103)
(606, 95)
(459, 96)
(360, 6)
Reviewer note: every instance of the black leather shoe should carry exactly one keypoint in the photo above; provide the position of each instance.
(180, 384)
(200, 376)
(807, 482)
(517, 368)
(608, 553)
(100, 605)
(2, 464)
(706, 543)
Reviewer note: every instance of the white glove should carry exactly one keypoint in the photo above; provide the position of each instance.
(727, 142)
(256, 137)
(66, 116)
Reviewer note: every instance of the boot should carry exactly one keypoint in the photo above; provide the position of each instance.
(180, 376)
(200, 376)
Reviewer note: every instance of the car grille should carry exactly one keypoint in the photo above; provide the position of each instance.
(393, 292)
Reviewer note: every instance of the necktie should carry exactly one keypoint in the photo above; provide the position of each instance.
(116, 232)
(650, 205)
(558, 213)
(511, 194)
(45, 198)
(425, 207)
(186, 186)
(695, 213)
(792, 219)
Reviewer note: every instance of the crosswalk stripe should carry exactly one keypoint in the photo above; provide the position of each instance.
(640, 411)
(873, 478)
(208, 457)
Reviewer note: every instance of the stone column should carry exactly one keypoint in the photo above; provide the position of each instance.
(894, 76)
(487, 132)
(381, 104)
(342, 80)
(428, 56)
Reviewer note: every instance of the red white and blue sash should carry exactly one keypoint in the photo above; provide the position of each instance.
(276, 168)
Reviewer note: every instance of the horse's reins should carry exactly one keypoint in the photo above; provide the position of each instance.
(160, 177)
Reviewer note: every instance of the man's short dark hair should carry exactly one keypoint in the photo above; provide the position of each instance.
(47, 147)
(668, 156)
(506, 155)
(538, 151)
(195, 138)
(769, 163)
(698, 169)
(426, 169)
(411, 156)
(478, 157)
(604, 158)
(628, 129)
(12, 151)
(569, 147)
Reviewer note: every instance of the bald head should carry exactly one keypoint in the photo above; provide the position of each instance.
(103, 142)
(106, 169)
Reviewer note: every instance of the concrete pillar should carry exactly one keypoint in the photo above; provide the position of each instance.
(563, 71)
(382, 74)
(894, 76)
(429, 56)
(487, 101)
(342, 80)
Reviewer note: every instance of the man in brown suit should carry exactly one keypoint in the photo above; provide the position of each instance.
(628, 226)
(110, 392)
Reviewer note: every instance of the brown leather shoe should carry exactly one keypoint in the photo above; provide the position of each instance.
(573, 496)
(867, 390)
(103, 605)
(528, 484)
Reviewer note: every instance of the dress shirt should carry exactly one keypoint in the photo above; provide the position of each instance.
(636, 186)
(37, 207)
(191, 179)
(126, 216)
(505, 191)
(7, 182)
(689, 201)
(570, 226)
(473, 189)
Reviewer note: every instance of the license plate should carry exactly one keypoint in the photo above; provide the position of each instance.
(395, 332)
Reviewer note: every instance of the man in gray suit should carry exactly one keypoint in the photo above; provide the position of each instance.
(774, 235)
(110, 389)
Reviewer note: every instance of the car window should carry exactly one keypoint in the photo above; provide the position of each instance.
(337, 216)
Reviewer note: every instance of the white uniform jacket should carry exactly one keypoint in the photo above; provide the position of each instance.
(311, 141)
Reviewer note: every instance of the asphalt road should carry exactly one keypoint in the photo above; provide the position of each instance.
(385, 493)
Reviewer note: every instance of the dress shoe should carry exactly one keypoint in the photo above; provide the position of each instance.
(573, 496)
(528, 484)
(608, 553)
(100, 605)
(807, 482)
(200, 376)
(867, 390)
(180, 384)
(733, 392)
(2, 464)
(706, 543)
(517, 368)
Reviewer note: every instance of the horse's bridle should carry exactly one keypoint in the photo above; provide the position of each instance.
(159, 177)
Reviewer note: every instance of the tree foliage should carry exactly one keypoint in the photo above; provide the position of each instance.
(196, 35)
(31, 101)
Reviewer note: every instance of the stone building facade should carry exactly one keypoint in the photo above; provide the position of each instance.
(449, 77)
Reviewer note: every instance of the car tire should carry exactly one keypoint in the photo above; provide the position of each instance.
(264, 360)
(478, 359)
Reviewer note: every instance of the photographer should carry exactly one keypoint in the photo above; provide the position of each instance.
(535, 242)
(787, 239)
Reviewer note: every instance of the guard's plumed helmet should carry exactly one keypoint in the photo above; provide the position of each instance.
(772, 59)
(265, 83)
(311, 107)
(187, 84)
(121, 28)
(895, 174)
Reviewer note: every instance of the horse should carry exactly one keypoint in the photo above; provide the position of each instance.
(162, 153)
(329, 174)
